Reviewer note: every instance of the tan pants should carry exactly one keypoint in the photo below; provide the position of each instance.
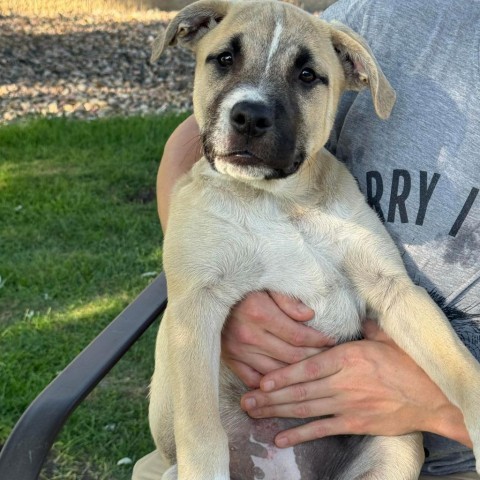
(151, 467)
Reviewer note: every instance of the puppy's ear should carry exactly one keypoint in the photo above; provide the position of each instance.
(361, 68)
(190, 25)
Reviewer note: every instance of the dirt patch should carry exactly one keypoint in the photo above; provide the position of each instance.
(89, 66)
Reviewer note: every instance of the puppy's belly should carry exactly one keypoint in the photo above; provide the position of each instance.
(254, 456)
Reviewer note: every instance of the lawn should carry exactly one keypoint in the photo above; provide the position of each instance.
(79, 239)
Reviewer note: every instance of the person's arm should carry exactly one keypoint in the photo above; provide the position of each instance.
(182, 150)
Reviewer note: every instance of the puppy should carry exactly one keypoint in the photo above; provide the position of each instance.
(268, 208)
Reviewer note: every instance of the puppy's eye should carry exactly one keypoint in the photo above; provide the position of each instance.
(225, 59)
(307, 75)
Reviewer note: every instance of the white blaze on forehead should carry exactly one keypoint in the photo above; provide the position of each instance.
(277, 33)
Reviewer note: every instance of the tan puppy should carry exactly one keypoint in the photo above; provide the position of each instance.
(268, 208)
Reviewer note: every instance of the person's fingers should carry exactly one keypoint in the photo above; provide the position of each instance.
(284, 352)
(281, 325)
(257, 321)
(292, 307)
(324, 427)
(259, 348)
(255, 400)
(264, 363)
(249, 376)
(319, 366)
(308, 409)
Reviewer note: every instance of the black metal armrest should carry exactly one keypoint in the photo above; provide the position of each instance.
(25, 451)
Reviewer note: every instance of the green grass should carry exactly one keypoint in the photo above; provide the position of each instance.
(78, 230)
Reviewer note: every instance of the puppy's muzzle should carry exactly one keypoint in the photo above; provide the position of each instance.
(253, 138)
(259, 139)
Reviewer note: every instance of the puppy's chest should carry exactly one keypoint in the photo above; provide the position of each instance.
(299, 252)
(290, 243)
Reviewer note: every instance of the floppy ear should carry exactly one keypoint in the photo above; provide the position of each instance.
(190, 25)
(361, 68)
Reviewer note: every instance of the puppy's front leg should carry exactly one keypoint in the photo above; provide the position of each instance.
(193, 330)
(419, 326)
(411, 318)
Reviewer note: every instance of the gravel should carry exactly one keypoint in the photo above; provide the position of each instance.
(89, 66)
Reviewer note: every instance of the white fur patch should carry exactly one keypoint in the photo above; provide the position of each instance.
(284, 466)
(243, 93)
(275, 43)
(241, 172)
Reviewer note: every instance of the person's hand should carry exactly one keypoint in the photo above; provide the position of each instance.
(265, 332)
(363, 387)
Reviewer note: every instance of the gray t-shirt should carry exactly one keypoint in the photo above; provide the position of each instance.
(420, 170)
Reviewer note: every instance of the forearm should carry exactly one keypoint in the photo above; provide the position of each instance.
(181, 151)
(448, 422)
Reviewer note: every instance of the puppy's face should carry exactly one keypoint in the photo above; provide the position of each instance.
(267, 85)
(267, 82)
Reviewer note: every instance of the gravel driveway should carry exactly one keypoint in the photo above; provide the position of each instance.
(89, 67)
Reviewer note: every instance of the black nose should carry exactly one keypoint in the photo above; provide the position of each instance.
(253, 119)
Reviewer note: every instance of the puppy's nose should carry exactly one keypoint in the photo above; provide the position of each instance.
(253, 119)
